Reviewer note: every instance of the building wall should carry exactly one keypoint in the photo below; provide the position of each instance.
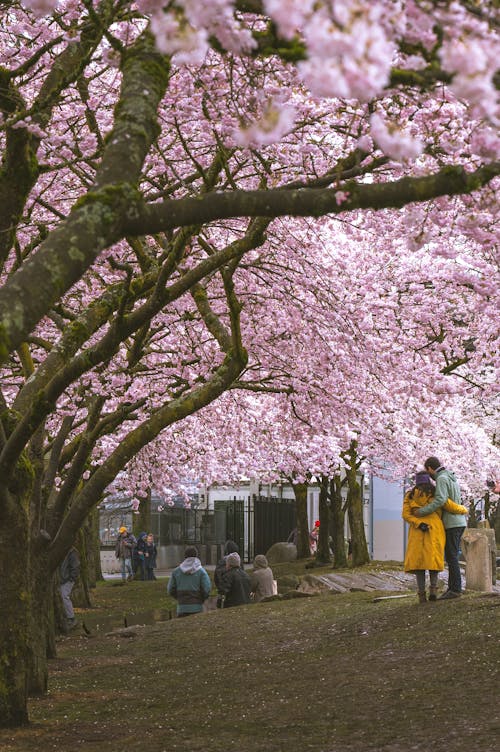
(388, 527)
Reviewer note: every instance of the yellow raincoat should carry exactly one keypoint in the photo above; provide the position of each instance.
(425, 550)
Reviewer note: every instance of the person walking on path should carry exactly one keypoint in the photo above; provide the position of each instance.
(447, 487)
(189, 584)
(426, 540)
(235, 583)
(69, 571)
(123, 551)
(261, 579)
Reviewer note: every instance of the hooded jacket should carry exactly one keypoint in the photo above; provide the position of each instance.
(190, 585)
(446, 488)
(230, 548)
(261, 579)
(425, 550)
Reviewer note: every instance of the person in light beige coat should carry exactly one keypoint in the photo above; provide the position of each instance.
(261, 579)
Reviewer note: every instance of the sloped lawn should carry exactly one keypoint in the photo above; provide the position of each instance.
(329, 673)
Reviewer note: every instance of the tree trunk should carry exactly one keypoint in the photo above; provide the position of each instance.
(14, 605)
(360, 554)
(41, 625)
(323, 551)
(300, 491)
(142, 521)
(337, 523)
(85, 545)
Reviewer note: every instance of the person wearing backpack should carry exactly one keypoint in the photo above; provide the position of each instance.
(189, 584)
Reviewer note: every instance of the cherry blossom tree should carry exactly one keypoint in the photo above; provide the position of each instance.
(149, 153)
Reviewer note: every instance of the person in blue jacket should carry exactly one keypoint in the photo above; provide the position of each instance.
(189, 584)
(454, 524)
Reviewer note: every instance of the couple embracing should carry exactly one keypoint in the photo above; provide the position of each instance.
(436, 521)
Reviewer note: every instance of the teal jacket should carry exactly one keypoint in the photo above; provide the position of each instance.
(446, 488)
(190, 585)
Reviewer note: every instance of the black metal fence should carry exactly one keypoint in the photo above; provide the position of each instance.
(254, 525)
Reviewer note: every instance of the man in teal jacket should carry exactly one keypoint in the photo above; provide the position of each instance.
(189, 584)
(454, 524)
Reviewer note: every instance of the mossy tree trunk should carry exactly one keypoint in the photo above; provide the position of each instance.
(142, 520)
(41, 635)
(323, 552)
(14, 606)
(300, 491)
(337, 522)
(360, 553)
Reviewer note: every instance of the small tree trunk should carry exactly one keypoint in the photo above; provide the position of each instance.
(41, 621)
(142, 521)
(360, 554)
(14, 603)
(337, 523)
(323, 551)
(300, 491)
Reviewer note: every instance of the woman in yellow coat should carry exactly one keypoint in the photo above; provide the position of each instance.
(426, 540)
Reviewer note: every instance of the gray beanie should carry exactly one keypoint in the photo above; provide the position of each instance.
(260, 562)
(233, 560)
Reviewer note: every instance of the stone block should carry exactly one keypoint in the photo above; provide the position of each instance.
(479, 548)
(281, 552)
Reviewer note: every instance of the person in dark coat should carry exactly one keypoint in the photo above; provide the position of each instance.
(235, 583)
(123, 551)
(69, 571)
(138, 556)
(230, 548)
(150, 553)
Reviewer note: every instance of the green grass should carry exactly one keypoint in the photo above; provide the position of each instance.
(331, 673)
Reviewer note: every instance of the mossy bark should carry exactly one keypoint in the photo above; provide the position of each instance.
(14, 608)
(323, 552)
(300, 491)
(337, 523)
(360, 553)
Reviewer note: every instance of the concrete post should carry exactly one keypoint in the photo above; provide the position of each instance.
(479, 548)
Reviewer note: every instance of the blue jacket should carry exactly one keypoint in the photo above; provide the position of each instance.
(446, 488)
(190, 585)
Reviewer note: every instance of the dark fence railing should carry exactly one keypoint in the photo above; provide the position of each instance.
(253, 527)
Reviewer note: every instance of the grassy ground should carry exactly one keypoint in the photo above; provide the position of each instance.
(329, 673)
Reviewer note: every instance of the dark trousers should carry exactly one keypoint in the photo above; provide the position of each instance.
(451, 553)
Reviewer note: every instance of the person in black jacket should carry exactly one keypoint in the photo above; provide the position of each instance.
(235, 583)
(69, 572)
(230, 548)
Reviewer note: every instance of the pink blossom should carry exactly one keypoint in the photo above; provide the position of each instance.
(41, 7)
(393, 141)
(275, 123)
(341, 197)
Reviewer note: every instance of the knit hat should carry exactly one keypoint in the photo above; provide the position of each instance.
(421, 478)
(260, 561)
(233, 560)
(231, 547)
(191, 551)
(122, 530)
(316, 524)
